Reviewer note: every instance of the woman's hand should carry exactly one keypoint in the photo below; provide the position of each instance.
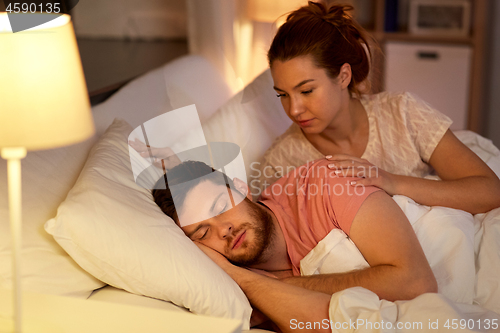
(162, 157)
(368, 174)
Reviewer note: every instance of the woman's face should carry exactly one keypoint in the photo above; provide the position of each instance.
(310, 98)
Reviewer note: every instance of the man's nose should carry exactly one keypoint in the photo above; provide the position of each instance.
(226, 230)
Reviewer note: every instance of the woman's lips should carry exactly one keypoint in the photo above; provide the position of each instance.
(239, 240)
(305, 123)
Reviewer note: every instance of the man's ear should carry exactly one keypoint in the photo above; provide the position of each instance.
(242, 187)
(345, 75)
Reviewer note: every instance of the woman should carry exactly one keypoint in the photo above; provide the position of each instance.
(318, 62)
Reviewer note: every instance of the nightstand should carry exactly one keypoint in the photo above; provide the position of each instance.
(55, 314)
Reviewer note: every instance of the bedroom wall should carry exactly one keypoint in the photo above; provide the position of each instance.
(493, 83)
(128, 19)
(121, 39)
(211, 33)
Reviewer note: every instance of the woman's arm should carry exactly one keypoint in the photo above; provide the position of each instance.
(467, 182)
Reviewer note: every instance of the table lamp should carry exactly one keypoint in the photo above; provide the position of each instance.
(43, 104)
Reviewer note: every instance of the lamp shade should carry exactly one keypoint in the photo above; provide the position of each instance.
(43, 96)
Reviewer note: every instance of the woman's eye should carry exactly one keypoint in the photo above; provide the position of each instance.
(280, 95)
(307, 92)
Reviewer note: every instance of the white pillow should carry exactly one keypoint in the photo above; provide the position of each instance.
(113, 229)
(47, 177)
(187, 80)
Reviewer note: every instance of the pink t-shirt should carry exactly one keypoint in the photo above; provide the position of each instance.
(311, 201)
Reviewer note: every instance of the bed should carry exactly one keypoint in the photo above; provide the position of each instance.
(90, 232)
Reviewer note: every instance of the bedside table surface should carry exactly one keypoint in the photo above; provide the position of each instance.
(54, 314)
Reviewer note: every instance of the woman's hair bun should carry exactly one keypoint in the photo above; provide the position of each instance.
(338, 15)
(329, 34)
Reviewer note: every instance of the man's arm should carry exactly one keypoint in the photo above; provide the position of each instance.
(399, 269)
(280, 302)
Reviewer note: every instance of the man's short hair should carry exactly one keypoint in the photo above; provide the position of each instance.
(184, 177)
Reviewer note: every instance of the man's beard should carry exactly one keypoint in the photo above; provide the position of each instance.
(263, 227)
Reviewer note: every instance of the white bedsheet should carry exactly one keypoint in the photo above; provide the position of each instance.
(464, 254)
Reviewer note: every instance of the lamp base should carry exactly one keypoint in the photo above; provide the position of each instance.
(13, 157)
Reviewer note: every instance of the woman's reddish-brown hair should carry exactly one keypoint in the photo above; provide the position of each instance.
(329, 35)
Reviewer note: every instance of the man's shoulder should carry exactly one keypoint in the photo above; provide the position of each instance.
(313, 171)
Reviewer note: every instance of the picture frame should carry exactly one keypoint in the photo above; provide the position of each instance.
(440, 17)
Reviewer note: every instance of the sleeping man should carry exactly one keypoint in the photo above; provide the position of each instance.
(293, 215)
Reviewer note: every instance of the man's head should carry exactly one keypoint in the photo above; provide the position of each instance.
(215, 211)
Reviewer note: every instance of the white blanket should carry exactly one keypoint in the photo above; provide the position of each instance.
(463, 252)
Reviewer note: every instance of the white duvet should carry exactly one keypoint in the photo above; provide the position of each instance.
(463, 252)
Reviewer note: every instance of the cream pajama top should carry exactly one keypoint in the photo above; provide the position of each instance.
(404, 131)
